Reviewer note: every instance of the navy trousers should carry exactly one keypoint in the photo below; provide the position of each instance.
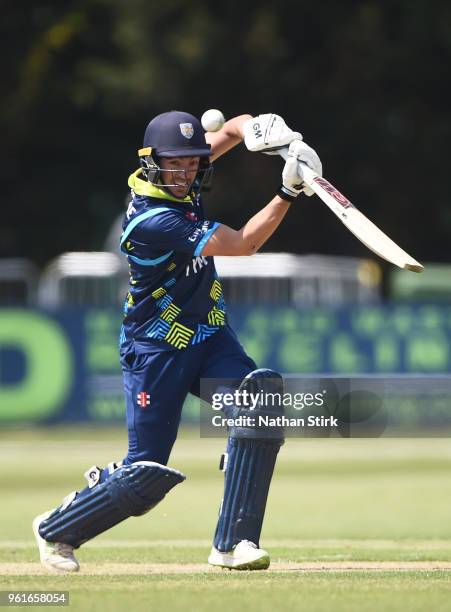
(157, 383)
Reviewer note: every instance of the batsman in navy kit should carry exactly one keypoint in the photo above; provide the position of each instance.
(175, 332)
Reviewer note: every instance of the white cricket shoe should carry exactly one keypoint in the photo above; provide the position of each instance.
(54, 555)
(244, 556)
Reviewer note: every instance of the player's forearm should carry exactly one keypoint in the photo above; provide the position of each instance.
(234, 127)
(262, 225)
(253, 235)
(227, 137)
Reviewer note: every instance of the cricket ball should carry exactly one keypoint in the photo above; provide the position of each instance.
(212, 120)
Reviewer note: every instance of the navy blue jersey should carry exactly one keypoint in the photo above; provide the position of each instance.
(175, 297)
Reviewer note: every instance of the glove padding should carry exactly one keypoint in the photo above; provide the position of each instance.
(292, 177)
(268, 133)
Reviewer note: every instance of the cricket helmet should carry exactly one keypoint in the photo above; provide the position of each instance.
(175, 134)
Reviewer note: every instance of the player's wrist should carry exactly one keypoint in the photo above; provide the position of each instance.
(241, 121)
(285, 194)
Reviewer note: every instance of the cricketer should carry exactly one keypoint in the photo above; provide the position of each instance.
(175, 332)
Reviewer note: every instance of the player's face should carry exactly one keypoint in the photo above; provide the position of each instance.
(179, 172)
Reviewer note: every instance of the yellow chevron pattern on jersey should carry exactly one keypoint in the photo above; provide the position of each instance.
(130, 300)
(171, 267)
(170, 313)
(179, 335)
(216, 290)
(216, 316)
(158, 292)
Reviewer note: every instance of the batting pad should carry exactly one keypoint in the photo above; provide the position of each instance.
(250, 465)
(131, 490)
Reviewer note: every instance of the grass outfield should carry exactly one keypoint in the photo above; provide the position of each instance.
(351, 525)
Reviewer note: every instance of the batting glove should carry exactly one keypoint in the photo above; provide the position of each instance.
(268, 133)
(301, 152)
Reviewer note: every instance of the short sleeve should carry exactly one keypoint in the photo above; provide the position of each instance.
(172, 231)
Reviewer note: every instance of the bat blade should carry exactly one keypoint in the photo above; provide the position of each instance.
(365, 230)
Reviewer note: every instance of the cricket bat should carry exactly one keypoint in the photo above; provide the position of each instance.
(365, 230)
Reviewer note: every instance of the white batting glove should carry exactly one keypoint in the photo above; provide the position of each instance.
(292, 180)
(301, 152)
(292, 177)
(267, 133)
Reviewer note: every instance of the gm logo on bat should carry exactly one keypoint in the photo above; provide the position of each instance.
(343, 200)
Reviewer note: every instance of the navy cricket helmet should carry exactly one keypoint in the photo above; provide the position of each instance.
(175, 134)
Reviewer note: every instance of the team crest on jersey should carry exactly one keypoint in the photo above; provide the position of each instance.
(191, 216)
(143, 399)
(187, 129)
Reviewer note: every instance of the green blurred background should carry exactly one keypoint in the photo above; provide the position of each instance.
(366, 82)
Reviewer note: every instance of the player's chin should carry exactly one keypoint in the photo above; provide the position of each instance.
(180, 192)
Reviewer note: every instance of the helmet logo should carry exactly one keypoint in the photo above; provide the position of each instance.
(187, 129)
